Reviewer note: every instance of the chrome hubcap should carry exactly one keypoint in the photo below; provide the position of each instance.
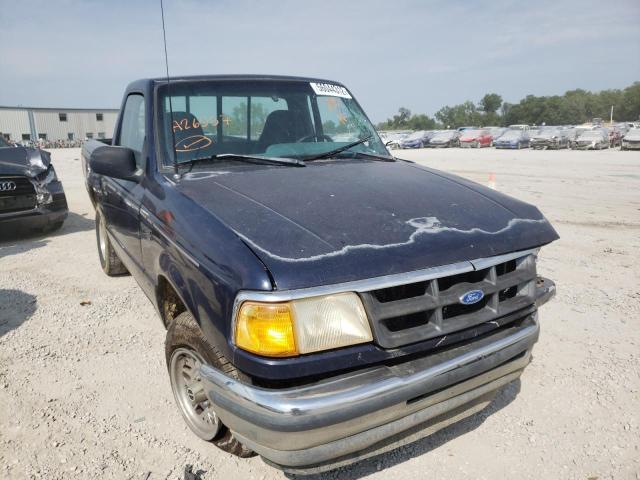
(188, 390)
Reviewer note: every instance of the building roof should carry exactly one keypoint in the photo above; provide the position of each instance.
(59, 109)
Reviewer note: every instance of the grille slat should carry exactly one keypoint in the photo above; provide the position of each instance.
(23, 197)
(416, 312)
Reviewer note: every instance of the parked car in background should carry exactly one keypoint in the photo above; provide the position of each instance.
(513, 138)
(445, 138)
(577, 131)
(519, 127)
(475, 138)
(31, 196)
(392, 139)
(416, 139)
(631, 141)
(462, 129)
(552, 137)
(595, 139)
(496, 132)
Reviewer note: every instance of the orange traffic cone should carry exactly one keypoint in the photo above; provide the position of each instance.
(492, 181)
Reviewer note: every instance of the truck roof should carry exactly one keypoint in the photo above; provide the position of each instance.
(147, 83)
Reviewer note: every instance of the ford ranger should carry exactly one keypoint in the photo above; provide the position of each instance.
(323, 300)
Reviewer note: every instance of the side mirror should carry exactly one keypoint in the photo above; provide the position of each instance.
(116, 162)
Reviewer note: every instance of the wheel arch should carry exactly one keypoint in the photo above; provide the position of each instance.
(169, 301)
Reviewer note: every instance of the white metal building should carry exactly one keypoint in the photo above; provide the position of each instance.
(32, 123)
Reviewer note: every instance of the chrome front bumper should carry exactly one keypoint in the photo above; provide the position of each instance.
(319, 427)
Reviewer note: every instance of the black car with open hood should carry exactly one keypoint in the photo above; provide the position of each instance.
(31, 196)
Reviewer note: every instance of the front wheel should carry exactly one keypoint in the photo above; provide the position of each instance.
(109, 261)
(186, 350)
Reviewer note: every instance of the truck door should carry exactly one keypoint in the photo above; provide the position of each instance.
(121, 202)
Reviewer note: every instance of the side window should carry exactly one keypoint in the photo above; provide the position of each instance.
(132, 131)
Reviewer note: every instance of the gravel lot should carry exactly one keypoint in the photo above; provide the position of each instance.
(84, 391)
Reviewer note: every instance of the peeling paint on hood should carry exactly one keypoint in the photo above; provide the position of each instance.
(347, 220)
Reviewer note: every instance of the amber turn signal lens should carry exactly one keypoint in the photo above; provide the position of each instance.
(266, 329)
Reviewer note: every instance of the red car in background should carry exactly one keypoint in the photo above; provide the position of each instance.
(615, 136)
(476, 138)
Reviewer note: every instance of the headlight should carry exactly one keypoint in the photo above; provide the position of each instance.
(307, 325)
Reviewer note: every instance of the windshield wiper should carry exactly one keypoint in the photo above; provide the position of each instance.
(373, 156)
(238, 156)
(336, 151)
(277, 160)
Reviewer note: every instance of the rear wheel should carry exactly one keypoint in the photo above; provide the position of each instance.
(109, 261)
(186, 350)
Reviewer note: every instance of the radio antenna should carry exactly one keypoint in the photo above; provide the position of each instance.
(166, 63)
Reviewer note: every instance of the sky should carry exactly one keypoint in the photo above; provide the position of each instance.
(421, 55)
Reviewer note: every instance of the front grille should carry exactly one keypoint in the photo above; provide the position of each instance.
(22, 198)
(414, 312)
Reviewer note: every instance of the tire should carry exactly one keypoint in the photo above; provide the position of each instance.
(185, 340)
(109, 261)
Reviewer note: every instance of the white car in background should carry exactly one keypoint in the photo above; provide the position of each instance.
(631, 141)
(392, 139)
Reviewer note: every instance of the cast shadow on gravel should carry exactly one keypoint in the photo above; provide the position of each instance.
(16, 307)
(383, 461)
(24, 239)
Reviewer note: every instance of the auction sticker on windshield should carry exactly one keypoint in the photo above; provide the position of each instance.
(330, 90)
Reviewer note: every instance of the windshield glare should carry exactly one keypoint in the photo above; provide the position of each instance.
(443, 135)
(415, 136)
(260, 117)
(511, 134)
(471, 133)
(591, 134)
(548, 133)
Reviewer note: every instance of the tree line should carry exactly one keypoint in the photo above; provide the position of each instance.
(573, 108)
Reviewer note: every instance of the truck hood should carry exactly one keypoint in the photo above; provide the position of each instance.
(23, 161)
(338, 221)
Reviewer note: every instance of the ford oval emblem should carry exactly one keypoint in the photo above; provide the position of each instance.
(471, 297)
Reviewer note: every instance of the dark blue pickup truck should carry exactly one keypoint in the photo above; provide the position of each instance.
(324, 301)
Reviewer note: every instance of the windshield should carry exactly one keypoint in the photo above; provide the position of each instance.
(591, 134)
(547, 133)
(3, 143)
(471, 133)
(415, 136)
(633, 133)
(443, 135)
(274, 118)
(511, 135)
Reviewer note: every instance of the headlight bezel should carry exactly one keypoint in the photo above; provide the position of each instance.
(291, 297)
